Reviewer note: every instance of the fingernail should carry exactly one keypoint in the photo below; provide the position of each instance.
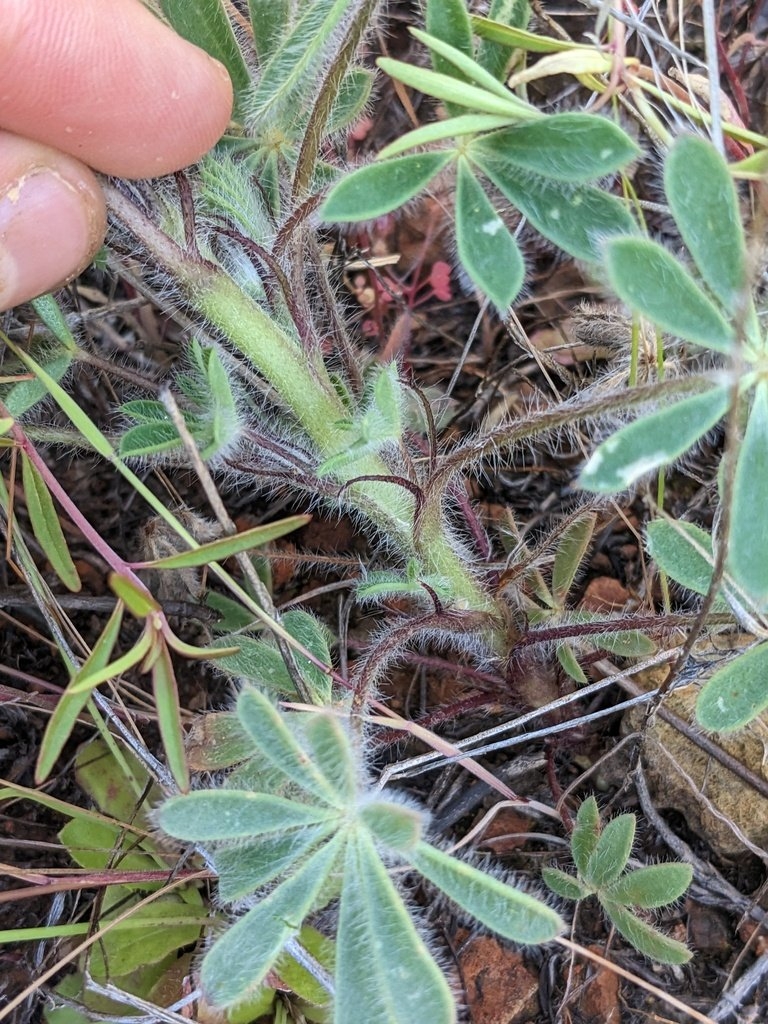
(46, 235)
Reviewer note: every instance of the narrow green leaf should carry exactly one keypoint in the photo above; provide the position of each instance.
(52, 315)
(46, 526)
(577, 218)
(586, 833)
(736, 694)
(329, 746)
(452, 90)
(351, 98)
(436, 131)
(495, 57)
(567, 147)
(145, 410)
(394, 825)
(291, 73)
(134, 595)
(513, 914)
(645, 938)
(626, 644)
(384, 972)
(378, 188)
(62, 721)
(570, 553)
(748, 537)
(210, 815)
(166, 695)
(239, 961)
(447, 21)
(270, 20)
(650, 280)
(87, 681)
(650, 887)
(518, 38)
(704, 203)
(683, 551)
(569, 663)
(565, 885)
(148, 439)
(257, 662)
(449, 59)
(487, 249)
(610, 855)
(225, 547)
(204, 23)
(653, 441)
(271, 732)
(250, 865)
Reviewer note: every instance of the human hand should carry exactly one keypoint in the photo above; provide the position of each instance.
(89, 84)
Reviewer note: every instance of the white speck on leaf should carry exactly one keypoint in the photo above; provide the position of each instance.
(492, 227)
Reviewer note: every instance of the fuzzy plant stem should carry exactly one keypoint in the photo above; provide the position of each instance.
(303, 386)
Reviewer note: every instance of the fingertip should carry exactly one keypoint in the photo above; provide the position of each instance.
(52, 220)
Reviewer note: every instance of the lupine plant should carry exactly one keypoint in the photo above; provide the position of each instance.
(301, 818)
(601, 854)
(272, 388)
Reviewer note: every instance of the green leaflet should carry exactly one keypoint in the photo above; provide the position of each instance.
(487, 250)
(513, 914)
(219, 814)
(748, 539)
(204, 23)
(46, 526)
(611, 853)
(650, 280)
(736, 693)
(704, 203)
(384, 974)
(572, 148)
(578, 218)
(646, 938)
(653, 441)
(239, 960)
(378, 188)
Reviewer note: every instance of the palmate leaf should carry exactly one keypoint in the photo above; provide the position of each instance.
(705, 206)
(379, 188)
(748, 537)
(645, 276)
(736, 693)
(487, 249)
(653, 441)
(645, 938)
(566, 147)
(385, 973)
(239, 960)
(511, 913)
